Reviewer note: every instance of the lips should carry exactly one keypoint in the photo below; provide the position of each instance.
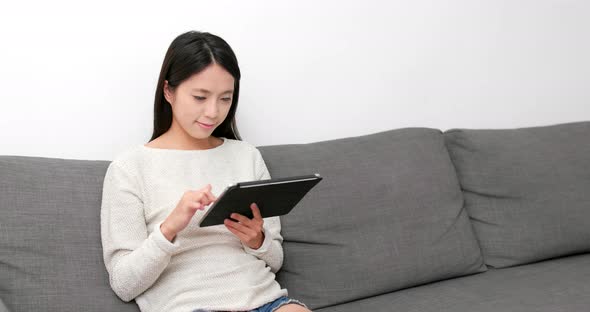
(204, 125)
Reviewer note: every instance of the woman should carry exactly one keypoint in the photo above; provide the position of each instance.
(155, 194)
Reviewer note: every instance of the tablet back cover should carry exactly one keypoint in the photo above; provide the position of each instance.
(274, 199)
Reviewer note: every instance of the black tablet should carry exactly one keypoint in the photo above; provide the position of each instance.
(274, 197)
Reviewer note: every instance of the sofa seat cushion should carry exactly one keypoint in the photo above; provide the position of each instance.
(548, 286)
(387, 215)
(527, 190)
(50, 247)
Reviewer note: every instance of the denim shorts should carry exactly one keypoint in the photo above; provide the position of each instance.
(271, 306)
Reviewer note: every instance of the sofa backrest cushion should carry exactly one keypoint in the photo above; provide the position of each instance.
(3, 308)
(527, 190)
(50, 246)
(387, 215)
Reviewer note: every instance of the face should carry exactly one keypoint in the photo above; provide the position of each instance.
(201, 102)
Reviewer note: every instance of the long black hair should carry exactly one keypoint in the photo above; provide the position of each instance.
(189, 54)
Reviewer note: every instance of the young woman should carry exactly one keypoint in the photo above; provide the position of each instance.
(155, 194)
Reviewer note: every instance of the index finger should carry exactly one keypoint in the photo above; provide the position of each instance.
(211, 196)
(206, 193)
(256, 211)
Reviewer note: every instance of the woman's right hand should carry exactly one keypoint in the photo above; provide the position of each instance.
(188, 205)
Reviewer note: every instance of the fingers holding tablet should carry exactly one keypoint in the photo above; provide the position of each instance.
(256, 211)
(254, 223)
(249, 231)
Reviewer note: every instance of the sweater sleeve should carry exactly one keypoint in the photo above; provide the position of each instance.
(133, 259)
(271, 250)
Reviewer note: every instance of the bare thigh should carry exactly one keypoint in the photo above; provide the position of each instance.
(292, 307)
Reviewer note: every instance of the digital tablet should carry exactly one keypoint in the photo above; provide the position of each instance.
(274, 197)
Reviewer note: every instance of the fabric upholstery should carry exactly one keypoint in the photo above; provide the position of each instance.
(526, 190)
(387, 215)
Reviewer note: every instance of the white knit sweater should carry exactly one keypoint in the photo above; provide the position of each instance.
(202, 268)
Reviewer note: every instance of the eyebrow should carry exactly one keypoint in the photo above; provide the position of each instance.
(207, 91)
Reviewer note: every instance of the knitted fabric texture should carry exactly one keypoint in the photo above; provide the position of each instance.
(202, 268)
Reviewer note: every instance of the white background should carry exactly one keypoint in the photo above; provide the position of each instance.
(77, 79)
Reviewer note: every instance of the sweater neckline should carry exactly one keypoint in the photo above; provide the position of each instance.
(179, 151)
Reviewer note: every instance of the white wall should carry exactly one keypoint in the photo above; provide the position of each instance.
(77, 79)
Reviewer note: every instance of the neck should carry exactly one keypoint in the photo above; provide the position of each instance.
(180, 139)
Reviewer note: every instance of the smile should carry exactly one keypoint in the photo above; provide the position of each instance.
(206, 126)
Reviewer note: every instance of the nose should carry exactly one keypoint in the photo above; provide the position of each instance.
(212, 110)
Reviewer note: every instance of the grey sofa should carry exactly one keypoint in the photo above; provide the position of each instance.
(411, 219)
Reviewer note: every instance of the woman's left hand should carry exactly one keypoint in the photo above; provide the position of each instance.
(249, 231)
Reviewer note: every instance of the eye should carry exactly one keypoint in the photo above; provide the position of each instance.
(227, 99)
(199, 98)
